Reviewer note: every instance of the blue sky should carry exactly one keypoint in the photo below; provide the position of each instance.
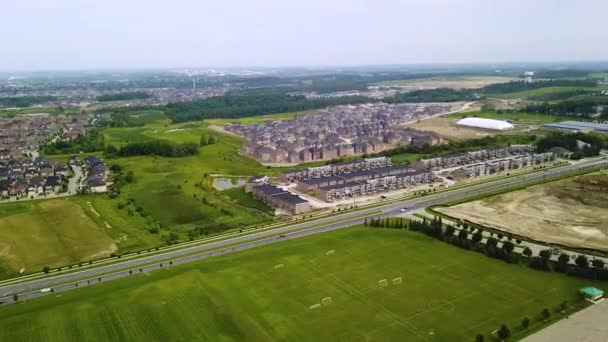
(77, 34)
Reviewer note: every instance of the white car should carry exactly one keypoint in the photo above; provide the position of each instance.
(402, 210)
(45, 290)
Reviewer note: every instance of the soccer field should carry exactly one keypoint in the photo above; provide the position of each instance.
(277, 293)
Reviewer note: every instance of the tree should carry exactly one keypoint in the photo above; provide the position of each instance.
(582, 261)
(545, 254)
(545, 314)
(562, 262)
(508, 246)
(46, 269)
(563, 306)
(130, 177)
(477, 236)
(204, 140)
(598, 264)
(525, 323)
(479, 338)
(527, 252)
(491, 242)
(504, 332)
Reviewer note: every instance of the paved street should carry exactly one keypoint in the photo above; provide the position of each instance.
(64, 282)
(588, 325)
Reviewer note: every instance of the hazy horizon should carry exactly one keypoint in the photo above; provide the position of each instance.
(156, 34)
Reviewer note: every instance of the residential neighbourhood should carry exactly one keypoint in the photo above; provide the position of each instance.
(338, 132)
(25, 134)
(24, 177)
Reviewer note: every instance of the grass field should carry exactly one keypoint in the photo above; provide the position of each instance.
(261, 118)
(572, 212)
(456, 82)
(168, 194)
(446, 294)
(51, 233)
(544, 91)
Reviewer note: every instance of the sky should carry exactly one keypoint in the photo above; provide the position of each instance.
(140, 34)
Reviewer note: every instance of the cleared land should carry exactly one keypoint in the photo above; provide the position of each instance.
(446, 294)
(456, 82)
(49, 233)
(448, 129)
(572, 212)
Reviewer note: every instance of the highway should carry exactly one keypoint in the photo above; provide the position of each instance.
(64, 282)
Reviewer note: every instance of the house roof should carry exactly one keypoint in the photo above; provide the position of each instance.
(268, 189)
(290, 198)
(592, 291)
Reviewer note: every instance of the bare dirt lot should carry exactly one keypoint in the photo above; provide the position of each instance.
(572, 212)
(456, 82)
(447, 128)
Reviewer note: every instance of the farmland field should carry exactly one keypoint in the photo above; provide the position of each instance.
(51, 233)
(446, 294)
(456, 82)
(571, 212)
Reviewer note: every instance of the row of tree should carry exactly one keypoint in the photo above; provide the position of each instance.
(574, 107)
(207, 140)
(592, 144)
(471, 238)
(154, 147)
(235, 106)
(24, 101)
(517, 86)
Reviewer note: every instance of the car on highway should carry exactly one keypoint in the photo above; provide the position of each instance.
(45, 290)
(403, 210)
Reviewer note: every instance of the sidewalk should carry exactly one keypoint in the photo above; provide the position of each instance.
(588, 325)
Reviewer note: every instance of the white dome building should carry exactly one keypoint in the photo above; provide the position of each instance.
(498, 125)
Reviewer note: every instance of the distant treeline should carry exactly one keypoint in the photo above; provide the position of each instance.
(235, 106)
(24, 101)
(592, 146)
(136, 95)
(572, 107)
(517, 86)
(433, 95)
(561, 95)
(154, 147)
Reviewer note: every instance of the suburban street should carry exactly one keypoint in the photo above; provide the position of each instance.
(64, 282)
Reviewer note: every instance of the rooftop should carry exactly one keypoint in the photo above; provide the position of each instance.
(579, 126)
(340, 186)
(290, 198)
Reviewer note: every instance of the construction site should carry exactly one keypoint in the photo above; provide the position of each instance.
(303, 190)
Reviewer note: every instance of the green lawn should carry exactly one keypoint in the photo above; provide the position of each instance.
(446, 294)
(261, 118)
(55, 232)
(544, 91)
